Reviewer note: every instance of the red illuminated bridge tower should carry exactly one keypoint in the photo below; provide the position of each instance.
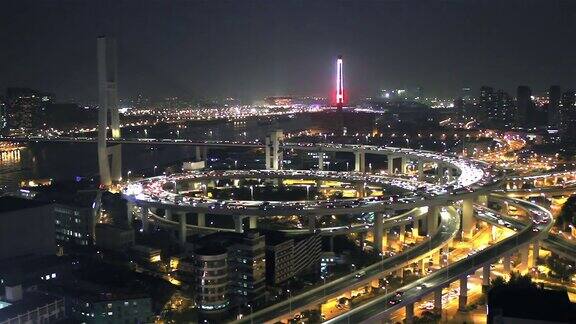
(339, 84)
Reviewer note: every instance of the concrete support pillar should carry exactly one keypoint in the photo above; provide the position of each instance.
(268, 154)
(168, 214)
(403, 165)
(253, 222)
(238, 226)
(361, 190)
(437, 258)
(320, 160)
(438, 300)
(524, 251)
(359, 161)
(273, 148)
(485, 277)
(144, 218)
(129, 213)
(201, 219)
(331, 243)
(390, 164)
(421, 266)
(449, 174)
(467, 218)
(400, 273)
(420, 170)
(182, 229)
(440, 173)
(432, 219)
(415, 231)
(201, 153)
(483, 200)
(507, 263)
(445, 255)
(378, 231)
(362, 238)
(535, 252)
(410, 313)
(463, 297)
(402, 235)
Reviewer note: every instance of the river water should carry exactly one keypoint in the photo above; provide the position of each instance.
(66, 161)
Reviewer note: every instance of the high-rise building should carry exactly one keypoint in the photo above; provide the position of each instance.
(554, 96)
(568, 116)
(524, 107)
(486, 103)
(246, 264)
(2, 115)
(503, 112)
(287, 257)
(25, 109)
(211, 274)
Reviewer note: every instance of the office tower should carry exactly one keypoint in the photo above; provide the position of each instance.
(554, 96)
(25, 109)
(504, 108)
(524, 107)
(486, 103)
(459, 107)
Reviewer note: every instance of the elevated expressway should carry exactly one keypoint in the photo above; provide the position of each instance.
(382, 307)
(447, 230)
(552, 242)
(460, 180)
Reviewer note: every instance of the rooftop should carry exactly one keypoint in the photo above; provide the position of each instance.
(31, 301)
(10, 203)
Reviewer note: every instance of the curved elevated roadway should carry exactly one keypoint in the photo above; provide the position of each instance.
(449, 226)
(381, 307)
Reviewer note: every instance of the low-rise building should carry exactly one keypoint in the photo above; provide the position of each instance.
(113, 237)
(27, 228)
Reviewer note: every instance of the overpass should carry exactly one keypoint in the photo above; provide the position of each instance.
(382, 307)
(449, 227)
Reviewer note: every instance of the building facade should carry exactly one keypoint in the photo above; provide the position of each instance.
(211, 274)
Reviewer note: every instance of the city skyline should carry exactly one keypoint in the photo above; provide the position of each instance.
(281, 162)
(196, 49)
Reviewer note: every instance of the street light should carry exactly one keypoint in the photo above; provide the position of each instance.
(128, 175)
(251, 192)
(155, 167)
(289, 300)
(307, 192)
(347, 166)
(251, 314)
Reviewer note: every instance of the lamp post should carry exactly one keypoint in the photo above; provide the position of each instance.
(289, 301)
(128, 175)
(251, 192)
(251, 314)
(155, 167)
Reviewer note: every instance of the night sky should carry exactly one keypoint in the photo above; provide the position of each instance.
(250, 49)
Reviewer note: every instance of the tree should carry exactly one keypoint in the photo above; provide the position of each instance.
(560, 269)
(567, 214)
